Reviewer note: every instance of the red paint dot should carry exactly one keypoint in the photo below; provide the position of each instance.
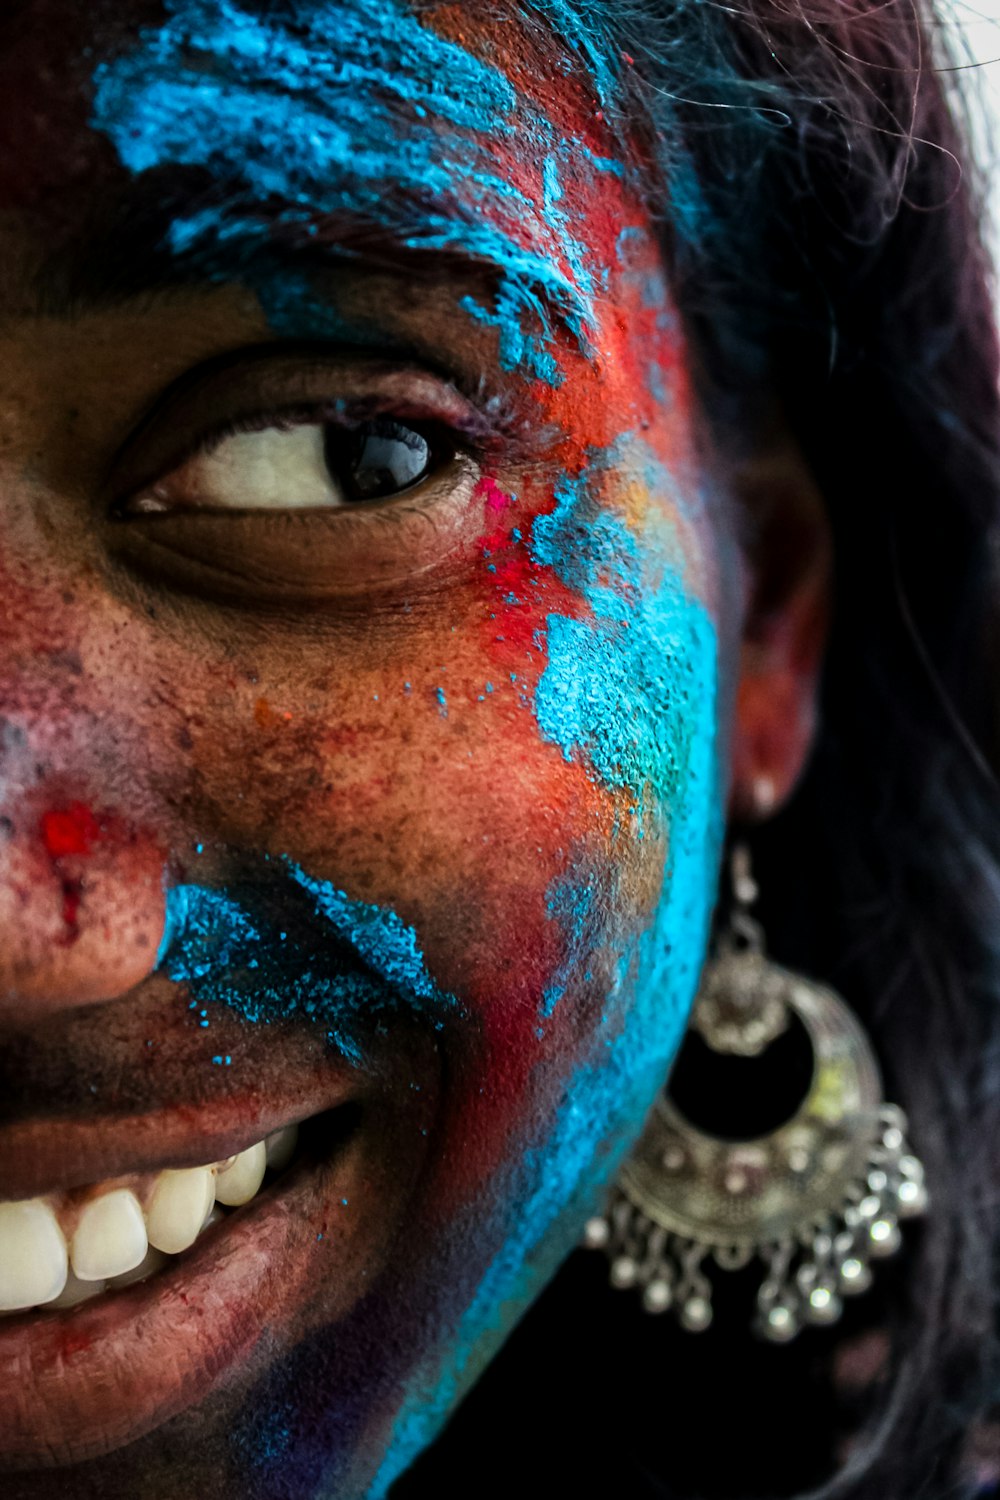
(69, 830)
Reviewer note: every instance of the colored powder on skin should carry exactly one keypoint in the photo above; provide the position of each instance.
(69, 830)
(572, 903)
(381, 938)
(629, 691)
(564, 1176)
(72, 898)
(583, 33)
(616, 693)
(525, 352)
(497, 500)
(395, 127)
(290, 947)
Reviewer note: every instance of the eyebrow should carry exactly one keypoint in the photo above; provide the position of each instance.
(120, 257)
(121, 252)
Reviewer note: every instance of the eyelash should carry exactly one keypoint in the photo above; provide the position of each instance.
(287, 419)
(484, 425)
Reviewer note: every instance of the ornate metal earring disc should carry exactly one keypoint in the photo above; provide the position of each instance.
(814, 1202)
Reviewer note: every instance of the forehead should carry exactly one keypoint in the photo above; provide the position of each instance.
(211, 132)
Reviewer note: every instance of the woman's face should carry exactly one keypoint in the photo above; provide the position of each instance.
(361, 577)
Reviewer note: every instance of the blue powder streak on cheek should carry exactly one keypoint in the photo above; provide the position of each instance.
(656, 385)
(564, 1176)
(204, 930)
(298, 949)
(574, 905)
(629, 691)
(354, 106)
(616, 689)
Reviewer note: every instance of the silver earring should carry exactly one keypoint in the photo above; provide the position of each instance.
(812, 1204)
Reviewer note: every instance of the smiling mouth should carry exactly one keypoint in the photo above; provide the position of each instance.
(95, 1355)
(64, 1248)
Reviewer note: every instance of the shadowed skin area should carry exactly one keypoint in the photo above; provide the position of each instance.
(428, 792)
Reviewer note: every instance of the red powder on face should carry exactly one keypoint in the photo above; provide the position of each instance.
(69, 830)
(496, 500)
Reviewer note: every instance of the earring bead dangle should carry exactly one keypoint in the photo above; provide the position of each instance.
(811, 1205)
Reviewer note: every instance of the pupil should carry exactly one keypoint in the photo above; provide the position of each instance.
(377, 459)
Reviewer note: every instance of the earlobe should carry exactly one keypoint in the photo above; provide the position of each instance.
(788, 558)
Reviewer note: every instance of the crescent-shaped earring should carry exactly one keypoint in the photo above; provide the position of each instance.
(811, 1204)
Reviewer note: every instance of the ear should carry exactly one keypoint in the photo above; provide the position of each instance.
(787, 552)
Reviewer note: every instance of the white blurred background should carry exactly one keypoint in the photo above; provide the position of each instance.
(976, 28)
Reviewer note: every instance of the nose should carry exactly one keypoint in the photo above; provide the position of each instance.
(81, 903)
(81, 872)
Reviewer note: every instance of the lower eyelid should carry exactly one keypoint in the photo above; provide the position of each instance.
(259, 559)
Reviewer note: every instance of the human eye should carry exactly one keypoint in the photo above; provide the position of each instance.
(291, 464)
(287, 478)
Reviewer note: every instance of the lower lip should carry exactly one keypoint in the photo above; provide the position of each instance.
(80, 1383)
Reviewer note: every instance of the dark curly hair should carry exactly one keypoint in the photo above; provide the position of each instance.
(821, 215)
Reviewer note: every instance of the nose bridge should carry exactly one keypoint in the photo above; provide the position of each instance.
(81, 872)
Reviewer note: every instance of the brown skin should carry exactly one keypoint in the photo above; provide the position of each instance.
(194, 713)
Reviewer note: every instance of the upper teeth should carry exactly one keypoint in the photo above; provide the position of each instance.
(52, 1251)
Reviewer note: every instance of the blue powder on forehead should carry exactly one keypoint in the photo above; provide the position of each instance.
(365, 56)
(356, 107)
(582, 28)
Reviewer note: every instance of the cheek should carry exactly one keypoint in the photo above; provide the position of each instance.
(576, 932)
